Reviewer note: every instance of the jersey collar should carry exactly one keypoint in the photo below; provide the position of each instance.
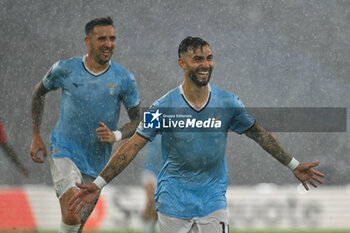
(191, 106)
(91, 72)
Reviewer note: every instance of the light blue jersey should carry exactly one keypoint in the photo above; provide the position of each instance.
(193, 178)
(153, 156)
(87, 99)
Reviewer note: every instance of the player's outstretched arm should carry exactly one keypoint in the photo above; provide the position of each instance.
(304, 171)
(37, 109)
(269, 143)
(118, 162)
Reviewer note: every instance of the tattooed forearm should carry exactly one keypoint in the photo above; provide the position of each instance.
(129, 128)
(37, 107)
(118, 163)
(269, 143)
(121, 159)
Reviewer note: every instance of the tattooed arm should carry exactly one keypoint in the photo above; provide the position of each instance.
(37, 108)
(303, 172)
(135, 116)
(269, 143)
(118, 162)
(122, 157)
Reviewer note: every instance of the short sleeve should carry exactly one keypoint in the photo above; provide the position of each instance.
(241, 120)
(52, 79)
(130, 95)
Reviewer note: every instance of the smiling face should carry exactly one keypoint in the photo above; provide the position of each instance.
(198, 64)
(101, 43)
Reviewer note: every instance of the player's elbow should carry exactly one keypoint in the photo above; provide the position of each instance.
(39, 92)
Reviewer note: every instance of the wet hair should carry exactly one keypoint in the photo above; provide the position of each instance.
(97, 22)
(193, 42)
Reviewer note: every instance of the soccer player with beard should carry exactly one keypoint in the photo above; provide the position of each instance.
(191, 186)
(93, 89)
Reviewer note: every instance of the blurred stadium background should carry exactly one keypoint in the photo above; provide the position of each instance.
(270, 53)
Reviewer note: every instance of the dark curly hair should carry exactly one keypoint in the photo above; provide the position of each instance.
(97, 22)
(193, 42)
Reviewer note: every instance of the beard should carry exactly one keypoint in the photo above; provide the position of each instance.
(102, 60)
(199, 83)
(98, 56)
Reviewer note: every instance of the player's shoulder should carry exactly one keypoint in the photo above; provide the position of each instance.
(223, 95)
(121, 71)
(62, 68)
(70, 62)
(219, 92)
(169, 98)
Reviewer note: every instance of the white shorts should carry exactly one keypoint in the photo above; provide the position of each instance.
(216, 222)
(64, 174)
(148, 177)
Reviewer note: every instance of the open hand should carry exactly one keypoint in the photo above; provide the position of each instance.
(84, 198)
(305, 172)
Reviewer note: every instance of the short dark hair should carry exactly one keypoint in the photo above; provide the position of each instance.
(97, 22)
(193, 42)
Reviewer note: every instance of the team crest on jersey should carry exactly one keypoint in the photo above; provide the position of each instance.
(111, 87)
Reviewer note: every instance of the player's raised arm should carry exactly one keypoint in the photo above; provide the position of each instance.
(37, 109)
(304, 171)
(118, 162)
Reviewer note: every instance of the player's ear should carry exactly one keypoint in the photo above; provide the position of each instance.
(86, 40)
(181, 62)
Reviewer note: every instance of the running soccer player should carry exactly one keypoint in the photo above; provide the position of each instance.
(150, 169)
(191, 186)
(9, 151)
(93, 88)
